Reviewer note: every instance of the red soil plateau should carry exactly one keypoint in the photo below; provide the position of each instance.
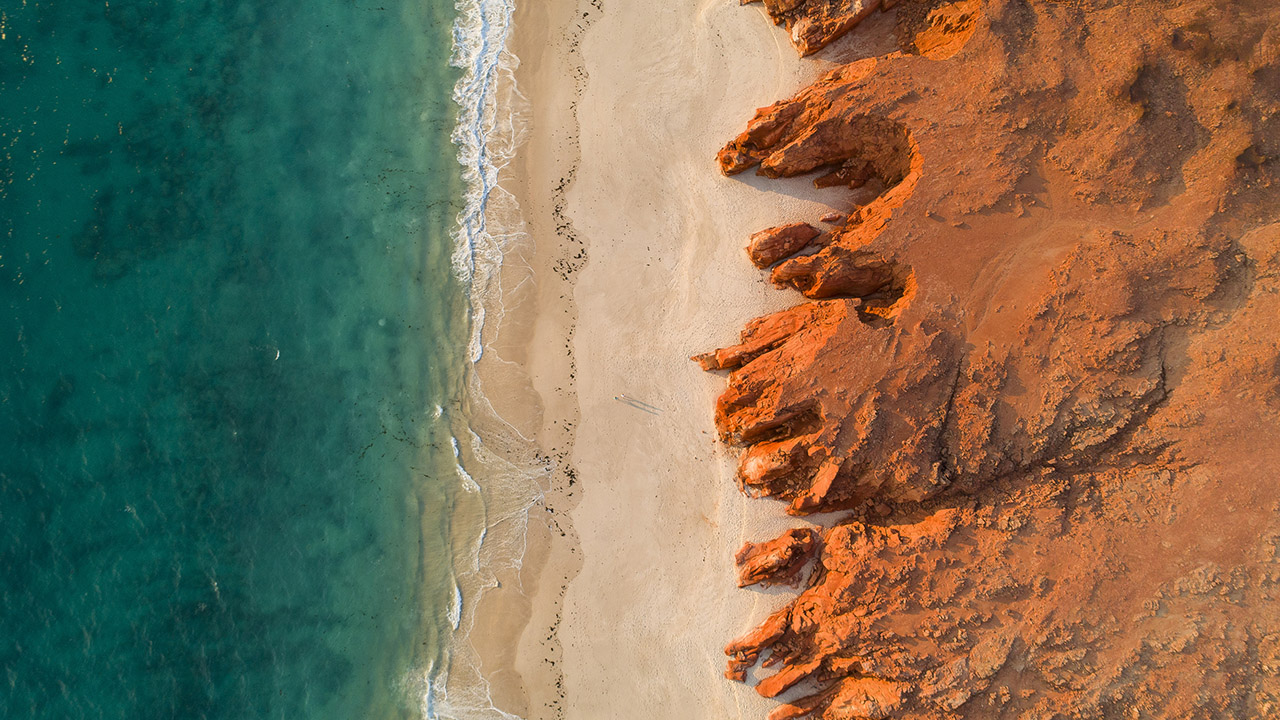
(1037, 371)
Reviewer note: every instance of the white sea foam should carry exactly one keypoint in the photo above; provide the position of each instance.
(458, 691)
(468, 482)
(487, 134)
(455, 610)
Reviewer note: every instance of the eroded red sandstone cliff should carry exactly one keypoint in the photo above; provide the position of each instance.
(1038, 366)
(935, 29)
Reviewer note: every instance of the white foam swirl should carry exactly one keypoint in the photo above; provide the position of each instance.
(486, 136)
(487, 133)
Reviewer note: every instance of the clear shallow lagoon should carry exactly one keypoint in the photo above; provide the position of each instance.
(228, 322)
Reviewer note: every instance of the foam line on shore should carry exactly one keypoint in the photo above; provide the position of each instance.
(494, 480)
(486, 135)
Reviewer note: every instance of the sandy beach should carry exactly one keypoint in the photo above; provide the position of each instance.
(1020, 360)
(627, 592)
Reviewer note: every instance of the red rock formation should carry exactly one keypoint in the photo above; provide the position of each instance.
(1027, 603)
(879, 390)
(814, 23)
(778, 561)
(745, 651)
(769, 246)
(1043, 340)
(933, 28)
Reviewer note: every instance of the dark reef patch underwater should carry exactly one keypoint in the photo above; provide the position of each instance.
(232, 344)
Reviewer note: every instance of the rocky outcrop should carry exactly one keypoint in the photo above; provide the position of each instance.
(811, 440)
(823, 130)
(1026, 603)
(769, 246)
(812, 24)
(939, 354)
(834, 409)
(1034, 363)
(933, 28)
(776, 562)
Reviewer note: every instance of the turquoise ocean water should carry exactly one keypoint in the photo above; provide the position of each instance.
(232, 353)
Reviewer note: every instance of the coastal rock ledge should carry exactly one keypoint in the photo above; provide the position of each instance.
(1034, 366)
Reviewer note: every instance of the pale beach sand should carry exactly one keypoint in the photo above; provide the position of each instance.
(631, 606)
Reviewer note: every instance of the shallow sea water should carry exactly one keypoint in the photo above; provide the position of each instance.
(231, 353)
